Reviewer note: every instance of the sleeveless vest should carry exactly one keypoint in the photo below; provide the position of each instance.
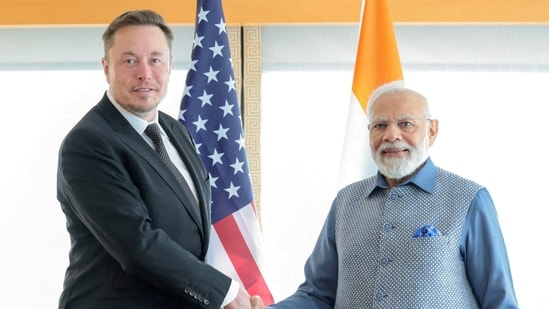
(381, 264)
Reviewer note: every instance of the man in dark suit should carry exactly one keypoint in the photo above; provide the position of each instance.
(137, 237)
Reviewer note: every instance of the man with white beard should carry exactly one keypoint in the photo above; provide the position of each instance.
(412, 236)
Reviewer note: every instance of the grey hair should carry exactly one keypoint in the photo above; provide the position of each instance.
(397, 86)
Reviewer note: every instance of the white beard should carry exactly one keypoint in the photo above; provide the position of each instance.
(398, 168)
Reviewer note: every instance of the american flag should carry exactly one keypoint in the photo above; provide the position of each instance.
(210, 111)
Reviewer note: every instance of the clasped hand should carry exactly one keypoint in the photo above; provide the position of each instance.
(244, 301)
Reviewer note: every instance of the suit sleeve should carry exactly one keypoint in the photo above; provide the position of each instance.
(103, 193)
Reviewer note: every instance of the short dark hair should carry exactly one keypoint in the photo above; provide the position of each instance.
(136, 18)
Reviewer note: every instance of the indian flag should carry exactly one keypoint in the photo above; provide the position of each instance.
(377, 63)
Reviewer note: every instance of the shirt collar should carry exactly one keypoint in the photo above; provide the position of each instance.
(424, 178)
(137, 123)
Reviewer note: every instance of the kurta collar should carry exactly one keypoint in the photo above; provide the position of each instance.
(424, 178)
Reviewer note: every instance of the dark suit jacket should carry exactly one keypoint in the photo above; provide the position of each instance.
(135, 240)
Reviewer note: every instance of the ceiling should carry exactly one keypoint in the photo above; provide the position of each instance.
(71, 12)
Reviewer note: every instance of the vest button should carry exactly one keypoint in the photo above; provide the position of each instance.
(379, 296)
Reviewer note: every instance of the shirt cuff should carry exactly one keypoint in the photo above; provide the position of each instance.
(231, 294)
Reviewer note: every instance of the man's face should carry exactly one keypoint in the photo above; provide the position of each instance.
(137, 68)
(400, 135)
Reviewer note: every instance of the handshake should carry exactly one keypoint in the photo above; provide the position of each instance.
(244, 301)
(256, 302)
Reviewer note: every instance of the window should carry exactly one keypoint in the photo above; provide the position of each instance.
(482, 81)
(481, 136)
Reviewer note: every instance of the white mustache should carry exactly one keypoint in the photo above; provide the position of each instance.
(394, 145)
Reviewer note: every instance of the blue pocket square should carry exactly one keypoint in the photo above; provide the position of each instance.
(426, 231)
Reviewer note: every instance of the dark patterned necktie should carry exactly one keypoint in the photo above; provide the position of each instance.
(153, 131)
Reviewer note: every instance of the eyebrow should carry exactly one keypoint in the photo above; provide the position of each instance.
(154, 53)
(402, 117)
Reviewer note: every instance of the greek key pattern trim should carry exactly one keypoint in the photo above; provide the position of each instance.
(245, 45)
(252, 71)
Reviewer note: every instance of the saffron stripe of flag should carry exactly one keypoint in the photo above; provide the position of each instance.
(210, 111)
(377, 63)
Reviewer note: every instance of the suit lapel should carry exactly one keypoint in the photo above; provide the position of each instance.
(186, 150)
(132, 139)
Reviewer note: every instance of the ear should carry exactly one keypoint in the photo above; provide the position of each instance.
(433, 131)
(105, 65)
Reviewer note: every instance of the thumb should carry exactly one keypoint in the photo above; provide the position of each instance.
(257, 302)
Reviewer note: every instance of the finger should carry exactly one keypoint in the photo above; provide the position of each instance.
(257, 302)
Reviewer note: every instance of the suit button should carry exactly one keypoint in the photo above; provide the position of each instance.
(206, 302)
